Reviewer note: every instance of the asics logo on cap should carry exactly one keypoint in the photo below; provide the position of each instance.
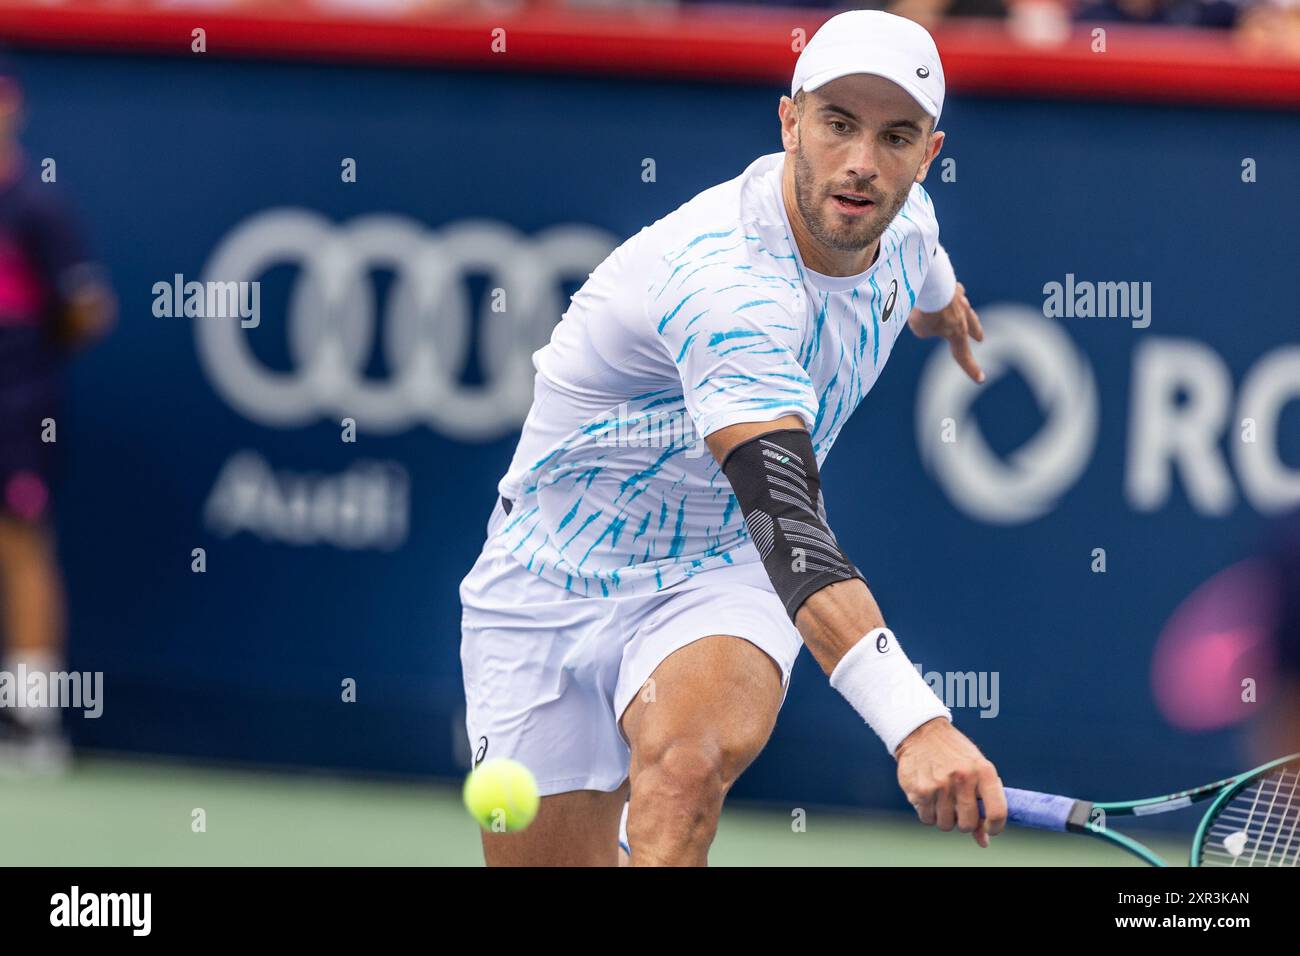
(922, 72)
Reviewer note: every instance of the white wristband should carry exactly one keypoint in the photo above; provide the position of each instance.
(876, 677)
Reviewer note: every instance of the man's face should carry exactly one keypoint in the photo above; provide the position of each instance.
(858, 144)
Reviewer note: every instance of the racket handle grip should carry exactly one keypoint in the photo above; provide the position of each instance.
(1041, 811)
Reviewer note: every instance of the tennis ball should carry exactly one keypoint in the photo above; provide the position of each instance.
(501, 795)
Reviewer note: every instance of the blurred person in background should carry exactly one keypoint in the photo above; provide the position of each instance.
(930, 13)
(1271, 28)
(52, 301)
(1222, 14)
(1279, 732)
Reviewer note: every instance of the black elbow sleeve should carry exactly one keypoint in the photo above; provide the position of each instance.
(774, 477)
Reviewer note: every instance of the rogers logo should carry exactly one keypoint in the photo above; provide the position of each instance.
(1028, 483)
(1185, 425)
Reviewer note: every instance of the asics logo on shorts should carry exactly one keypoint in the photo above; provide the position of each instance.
(332, 319)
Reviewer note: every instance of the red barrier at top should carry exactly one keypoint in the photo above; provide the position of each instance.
(736, 45)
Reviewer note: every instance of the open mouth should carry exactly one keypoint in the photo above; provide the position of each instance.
(851, 201)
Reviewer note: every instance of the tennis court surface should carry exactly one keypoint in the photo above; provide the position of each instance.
(120, 812)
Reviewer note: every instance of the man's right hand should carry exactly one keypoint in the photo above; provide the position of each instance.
(957, 322)
(943, 774)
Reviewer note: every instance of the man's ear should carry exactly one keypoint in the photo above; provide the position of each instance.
(789, 114)
(932, 150)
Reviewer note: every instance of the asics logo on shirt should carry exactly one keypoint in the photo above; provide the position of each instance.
(889, 303)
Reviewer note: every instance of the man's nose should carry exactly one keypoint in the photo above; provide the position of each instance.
(863, 164)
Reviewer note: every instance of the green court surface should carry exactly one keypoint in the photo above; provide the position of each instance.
(129, 813)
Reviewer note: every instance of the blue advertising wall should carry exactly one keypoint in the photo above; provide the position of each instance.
(329, 560)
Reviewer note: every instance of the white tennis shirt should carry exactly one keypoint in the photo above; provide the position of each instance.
(704, 319)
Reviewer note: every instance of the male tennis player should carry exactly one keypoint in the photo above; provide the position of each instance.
(634, 615)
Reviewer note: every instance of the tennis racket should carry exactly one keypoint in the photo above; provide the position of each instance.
(1253, 819)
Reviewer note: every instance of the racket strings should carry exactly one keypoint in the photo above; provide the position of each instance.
(1259, 825)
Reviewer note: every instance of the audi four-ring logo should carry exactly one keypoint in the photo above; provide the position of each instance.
(332, 321)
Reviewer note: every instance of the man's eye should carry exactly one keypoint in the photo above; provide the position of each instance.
(839, 126)
(896, 140)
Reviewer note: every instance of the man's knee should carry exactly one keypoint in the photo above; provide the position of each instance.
(683, 773)
(678, 787)
(698, 768)
(677, 793)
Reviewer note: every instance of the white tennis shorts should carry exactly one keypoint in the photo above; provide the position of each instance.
(548, 673)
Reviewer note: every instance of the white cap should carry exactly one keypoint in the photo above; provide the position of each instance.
(882, 44)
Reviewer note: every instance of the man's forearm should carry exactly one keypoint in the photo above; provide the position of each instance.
(835, 618)
(773, 473)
